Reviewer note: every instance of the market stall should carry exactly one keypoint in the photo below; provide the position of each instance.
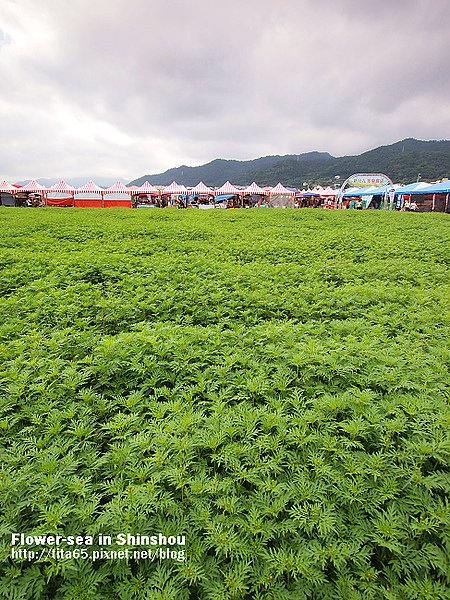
(89, 195)
(118, 196)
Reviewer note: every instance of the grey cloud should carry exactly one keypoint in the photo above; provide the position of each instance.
(236, 79)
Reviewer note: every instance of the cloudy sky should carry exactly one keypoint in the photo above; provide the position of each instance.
(123, 88)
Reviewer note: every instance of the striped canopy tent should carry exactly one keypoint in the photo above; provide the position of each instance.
(7, 188)
(279, 189)
(145, 188)
(227, 188)
(201, 188)
(254, 189)
(61, 194)
(62, 187)
(90, 188)
(174, 188)
(118, 188)
(34, 187)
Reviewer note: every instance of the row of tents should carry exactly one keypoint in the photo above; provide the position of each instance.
(426, 196)
(146, 188)
(92, 195)
(227, 188)
(411, 189)
(120, 195)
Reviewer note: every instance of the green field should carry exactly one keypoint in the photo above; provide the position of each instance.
(271, 384)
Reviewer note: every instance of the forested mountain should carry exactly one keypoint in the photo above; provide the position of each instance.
(403, 162)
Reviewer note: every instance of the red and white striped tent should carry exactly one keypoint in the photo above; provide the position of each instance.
(61, 194)
(7, 188)
(62, 187)
(34, 187)
(90, 188)
(174, 188)
(254, 189)
(118, 188)
(145, 188)
(227, 188)
(201, 188)
(279, 189)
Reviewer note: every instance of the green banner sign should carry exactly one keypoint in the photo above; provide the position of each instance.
(368, 180)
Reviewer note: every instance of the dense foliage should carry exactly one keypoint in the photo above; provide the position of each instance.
(272, 384)
(403, 162)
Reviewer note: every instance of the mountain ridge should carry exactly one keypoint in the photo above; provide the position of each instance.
(403, 161)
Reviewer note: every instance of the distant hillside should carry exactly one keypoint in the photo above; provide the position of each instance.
(403, 162)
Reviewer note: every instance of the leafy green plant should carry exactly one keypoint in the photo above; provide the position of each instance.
(272, 385)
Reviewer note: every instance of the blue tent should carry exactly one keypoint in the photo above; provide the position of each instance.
(436, 188)
(223, 197)
(364, 191)
(310, 194)
(412, 188)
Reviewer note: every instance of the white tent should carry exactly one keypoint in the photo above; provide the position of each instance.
(7, 188)
(145, 188)
(201, 188)
(175, 188)
(118, 188)
(281, 197)
(254, 189)
(329, 191)
(279, 189)
(227, 188)
(34, 187)
(90, 188)
(62, 187)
